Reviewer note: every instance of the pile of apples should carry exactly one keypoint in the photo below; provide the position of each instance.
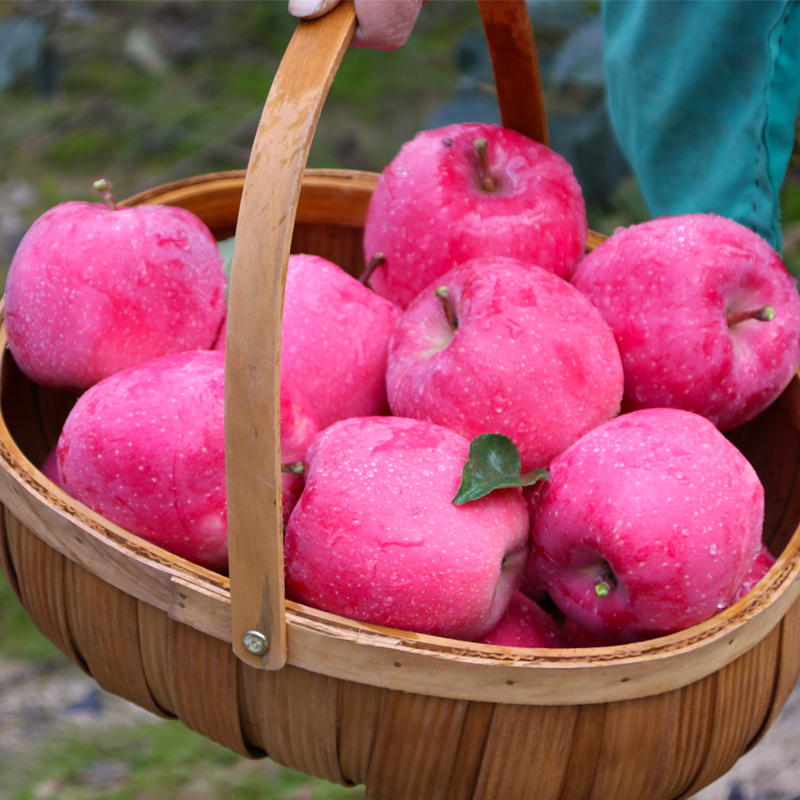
(455, 457)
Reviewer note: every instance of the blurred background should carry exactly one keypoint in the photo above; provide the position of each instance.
(149, 92)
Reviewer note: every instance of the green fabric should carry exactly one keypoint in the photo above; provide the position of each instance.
(704, 97)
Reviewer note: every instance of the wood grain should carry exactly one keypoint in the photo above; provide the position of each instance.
(516, 67)
(252, 358)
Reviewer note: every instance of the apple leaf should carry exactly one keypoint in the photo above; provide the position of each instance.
(226, 251)
(494, 463)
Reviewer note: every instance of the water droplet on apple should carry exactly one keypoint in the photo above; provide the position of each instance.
(387, 601)
(712, 548)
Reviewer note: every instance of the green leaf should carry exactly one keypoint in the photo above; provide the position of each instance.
(494, 463)
(226, 251)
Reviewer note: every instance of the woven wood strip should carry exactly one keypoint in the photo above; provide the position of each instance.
(40, 571)
(471, 746)
(735, 713)
(204, 686)
(584, 753)
(416, 746)
(154, 644)
(647, 727)
(103, 622)
(6, 565)
(343, 246)
(358, 714)
(535, 740)
(788, 669)
(292, 715)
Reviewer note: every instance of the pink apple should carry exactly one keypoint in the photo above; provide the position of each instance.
(93, 291)
(648, 525)
(145, 448)
(578, 636)
(525, 624)
(683, 296)
(527, 356)
(433, 208)
(761, 566)
(51, 470)
(376, 536)
(335, 340)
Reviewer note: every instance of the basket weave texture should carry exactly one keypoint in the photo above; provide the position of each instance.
(410, 716)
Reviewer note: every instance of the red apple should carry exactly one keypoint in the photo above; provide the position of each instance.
(761, 566)
(92, 291)
(518, 351)
(442, 202)
(706, 316)
(376, 535)
(525, 624)
(145, 448)
(648, 525)
(335, 340)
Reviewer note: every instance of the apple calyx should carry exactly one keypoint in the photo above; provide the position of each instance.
(106, 190)
(763, 314)
(487, 181)
(494, 463)
(295, 468)
(377, 260)
(443, 296)
(605, 582)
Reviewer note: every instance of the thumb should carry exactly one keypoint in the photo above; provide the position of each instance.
(308, 9)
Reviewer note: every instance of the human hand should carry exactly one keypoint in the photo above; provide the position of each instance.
(382, 24)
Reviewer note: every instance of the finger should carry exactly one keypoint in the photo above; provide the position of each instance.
(308, 9)
(385, 24)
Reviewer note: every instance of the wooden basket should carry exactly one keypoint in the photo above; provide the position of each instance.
(409, 715)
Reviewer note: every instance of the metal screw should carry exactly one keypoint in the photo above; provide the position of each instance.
(256, 643)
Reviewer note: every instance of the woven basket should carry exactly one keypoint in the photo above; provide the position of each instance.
(409, 715)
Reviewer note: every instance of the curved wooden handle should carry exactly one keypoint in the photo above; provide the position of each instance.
(253, 345)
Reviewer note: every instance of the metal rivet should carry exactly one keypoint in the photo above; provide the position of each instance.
(398, 664)
(510, 683)
(256, 643)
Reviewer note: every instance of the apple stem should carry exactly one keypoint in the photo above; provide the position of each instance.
(376, 261)
(487, 181)
(763, 314)
(106, 190)
(443, 296)
(296, 468)
(605, 582)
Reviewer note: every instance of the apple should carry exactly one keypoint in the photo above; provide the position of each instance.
(146, 449)
(513, 349)
(51, 470)
(761, 566)
(93, 290)
(525, 624)
(578, 636)
(468, 190)
(376, 536)
(335, 340)
(648, 525)
(705, 314)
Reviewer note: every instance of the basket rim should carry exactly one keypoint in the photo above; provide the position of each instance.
(371, 654)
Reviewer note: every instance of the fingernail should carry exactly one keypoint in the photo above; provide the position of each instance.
(304, 8)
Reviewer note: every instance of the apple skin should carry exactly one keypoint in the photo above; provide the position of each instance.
(531, 358)
(525, 624)
(761, 566)
(665, 288)
(92, 291)
(51, 470)
(661, 498)
(375, 535)
(146, 449)
(429, 212)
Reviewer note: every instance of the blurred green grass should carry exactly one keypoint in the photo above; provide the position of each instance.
(159, 761)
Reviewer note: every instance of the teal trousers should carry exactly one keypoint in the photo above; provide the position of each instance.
(704, 96)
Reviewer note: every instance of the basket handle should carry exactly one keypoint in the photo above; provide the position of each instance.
(253, 344)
